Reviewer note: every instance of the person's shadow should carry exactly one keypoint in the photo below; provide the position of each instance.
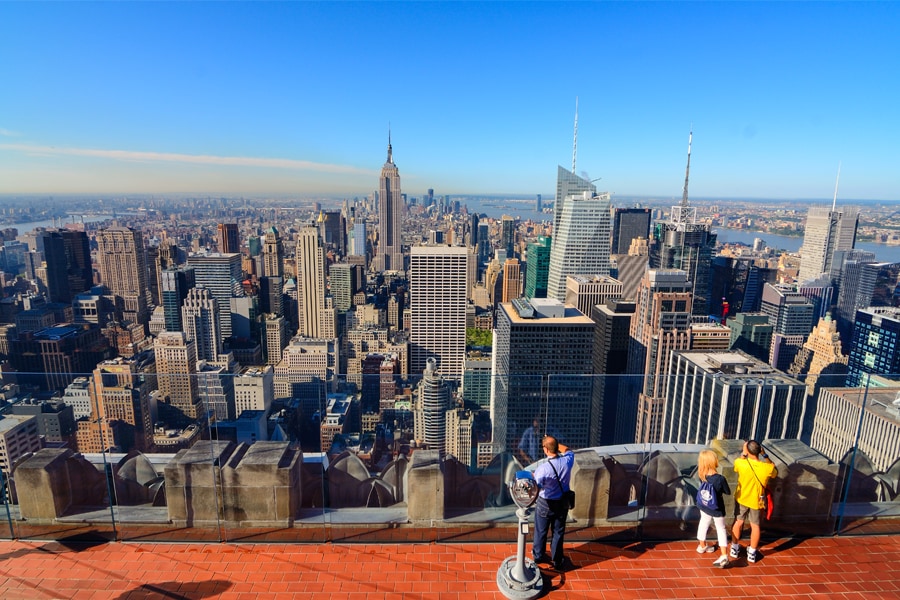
(170, 590)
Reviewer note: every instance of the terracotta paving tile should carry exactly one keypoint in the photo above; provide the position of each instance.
(804, 569)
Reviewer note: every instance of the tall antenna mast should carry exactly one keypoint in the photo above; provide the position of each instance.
(575, 141)
(836, 181)
(687, 171)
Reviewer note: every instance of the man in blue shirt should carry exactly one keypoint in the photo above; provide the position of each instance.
(552, 507)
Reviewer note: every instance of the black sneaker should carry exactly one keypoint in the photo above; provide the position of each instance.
(753, 555)
(562, 565)
(543, 558)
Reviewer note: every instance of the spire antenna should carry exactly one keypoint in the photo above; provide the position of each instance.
(836, 181)
(575, 141)
(687, 171)
(390, 158)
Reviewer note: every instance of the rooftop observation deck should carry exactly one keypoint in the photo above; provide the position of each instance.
(263, 522)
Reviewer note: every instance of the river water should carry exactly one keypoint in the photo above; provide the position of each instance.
(883, 252)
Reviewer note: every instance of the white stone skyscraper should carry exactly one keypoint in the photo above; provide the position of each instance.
(314, 318)
(581, 240)
(437, 294)
(827, 231)
(389, 253)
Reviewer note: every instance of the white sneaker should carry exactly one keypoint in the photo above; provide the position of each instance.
(735, 551)
(703, 548)
(722, 562)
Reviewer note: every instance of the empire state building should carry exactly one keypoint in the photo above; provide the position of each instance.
(389, 255)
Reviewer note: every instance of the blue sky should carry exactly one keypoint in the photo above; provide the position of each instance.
(243, 98)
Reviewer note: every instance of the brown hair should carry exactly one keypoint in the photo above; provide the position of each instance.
(707, 464)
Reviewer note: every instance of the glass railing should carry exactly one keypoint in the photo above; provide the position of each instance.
(384, 457)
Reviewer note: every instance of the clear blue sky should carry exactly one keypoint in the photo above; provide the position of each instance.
(297, 97)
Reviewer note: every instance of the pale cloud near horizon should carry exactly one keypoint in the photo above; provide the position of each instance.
(197, 159)
(8, 133)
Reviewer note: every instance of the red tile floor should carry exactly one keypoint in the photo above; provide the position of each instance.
(842, 567)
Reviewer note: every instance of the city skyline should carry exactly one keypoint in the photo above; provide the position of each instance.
(243, 98)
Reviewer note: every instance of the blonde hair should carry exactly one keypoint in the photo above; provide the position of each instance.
(707, 464)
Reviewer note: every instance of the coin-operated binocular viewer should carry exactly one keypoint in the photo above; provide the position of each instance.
(519, 577)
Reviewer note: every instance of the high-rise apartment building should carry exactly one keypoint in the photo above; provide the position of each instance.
(228, 238)
(508, 235)
(511, 278)
(432, 404)
(581, 241)
(542, 361)
(315, 318)
(537, 256)
(176, 374)
(630, 267)
(120, 393)
(827, 231)
(437, 296)
(389, 253)
(221, 274)
(660, 325)
(341, 280)
(629, 224)
(121, 257)
(200, 322)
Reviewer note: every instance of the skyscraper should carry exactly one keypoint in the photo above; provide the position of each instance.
(729, 395)
(175, 284)
(272, 254)
(57, 275)
(542, 360)
(78, 261)
(683, 243)
(537, 256)
(875, 348)
(612, 320)
(511, 275)
(120, 393)
(792, 316)
(584, 292)
(221, 275)
(389, 255)
(660, 325)
(228, 237)
(508, 235)
(568, 184)
(580, 242)
(176, 374)
(310, 257)
(432, 405)
(827, 231)
(200, 320)
(628, 224)
(123, 269)
(437, 296)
